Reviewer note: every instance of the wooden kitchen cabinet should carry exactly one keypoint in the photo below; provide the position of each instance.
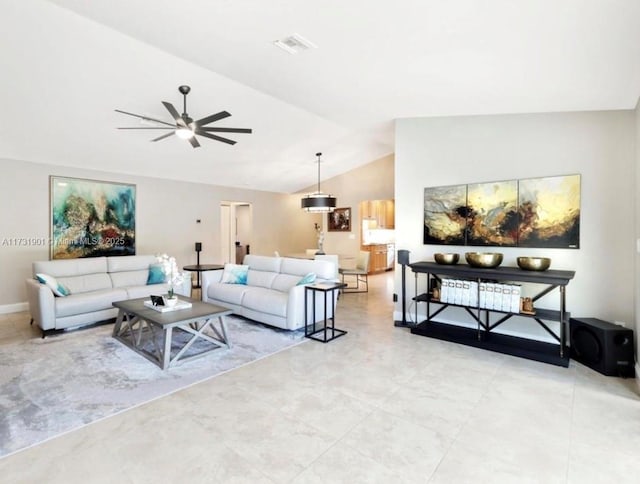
(379, 213)
(377, 257)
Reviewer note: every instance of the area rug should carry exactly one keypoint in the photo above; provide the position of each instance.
(54, 385)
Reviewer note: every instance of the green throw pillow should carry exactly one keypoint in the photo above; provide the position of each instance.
(308, 279)
(51, 282)
(156, 274)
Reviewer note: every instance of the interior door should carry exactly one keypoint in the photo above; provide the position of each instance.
(225, 233)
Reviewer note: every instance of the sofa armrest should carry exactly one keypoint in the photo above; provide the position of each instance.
(207, 278)
(42, 304)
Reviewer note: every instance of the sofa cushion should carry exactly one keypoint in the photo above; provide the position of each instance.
(266, 301)
(260, 278)
(87, 283)
(88, 302)
(51, 282)
(235, 274)
(284, 282)
(263, 263)
(299, 267)
(156, 274)
(232, 293)
(71, 267)
(130, 263)
(129, 278)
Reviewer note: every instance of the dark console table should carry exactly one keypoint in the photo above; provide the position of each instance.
(483, 336)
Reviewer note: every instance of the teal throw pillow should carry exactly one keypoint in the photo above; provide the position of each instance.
(308, 279)
(51, 282)
(235, 274)
(156, 274)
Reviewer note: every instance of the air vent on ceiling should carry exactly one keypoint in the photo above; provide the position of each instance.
(295, 43)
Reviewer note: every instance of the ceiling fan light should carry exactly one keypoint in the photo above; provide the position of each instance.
(184, 133)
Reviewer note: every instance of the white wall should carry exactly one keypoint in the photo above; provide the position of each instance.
(636, 325)
(165, 220)
(598, 145)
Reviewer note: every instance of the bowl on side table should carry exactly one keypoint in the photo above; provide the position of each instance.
(485, 260)
(534, 263)
(446, 259)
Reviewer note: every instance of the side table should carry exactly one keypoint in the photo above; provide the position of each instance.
(198, 268)
(328, 290)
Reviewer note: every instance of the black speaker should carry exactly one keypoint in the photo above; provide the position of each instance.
(602, 346)
(403, 257)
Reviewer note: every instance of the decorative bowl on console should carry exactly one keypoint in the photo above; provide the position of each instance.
(534, 263)
(446, 259)
(485, 260)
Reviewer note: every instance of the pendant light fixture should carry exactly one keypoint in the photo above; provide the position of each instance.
(318, 202)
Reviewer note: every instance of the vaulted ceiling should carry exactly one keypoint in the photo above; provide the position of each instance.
(67, 64)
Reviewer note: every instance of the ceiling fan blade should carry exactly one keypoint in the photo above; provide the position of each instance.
(174, 113)
(146, 118)
(212, 118)
(151, 127)
(227, 130)
(213, 136)
(164, 136)
(194, 142)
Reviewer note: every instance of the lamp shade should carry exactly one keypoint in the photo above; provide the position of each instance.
(318, 202)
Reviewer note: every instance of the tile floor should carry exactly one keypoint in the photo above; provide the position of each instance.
(378, 405)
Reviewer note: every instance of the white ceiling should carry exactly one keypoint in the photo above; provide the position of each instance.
(67, 64)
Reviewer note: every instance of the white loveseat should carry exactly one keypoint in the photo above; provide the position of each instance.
(272, 294)
(94, 283)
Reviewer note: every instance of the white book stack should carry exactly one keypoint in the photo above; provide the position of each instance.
(466, 292)
(516, 292)
(482, 303)
(489, 295)
(506, 297)
(497, 297)
(473, 294)
(444, 291)
(458, 292)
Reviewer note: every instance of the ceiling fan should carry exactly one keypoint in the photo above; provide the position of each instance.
(185, 127)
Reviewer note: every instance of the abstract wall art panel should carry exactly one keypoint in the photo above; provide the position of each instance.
(92, 218)
(534, 212)
(492, 213)
(445, 213)
(549, 210)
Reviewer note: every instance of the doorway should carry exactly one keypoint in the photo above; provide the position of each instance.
(236, 227)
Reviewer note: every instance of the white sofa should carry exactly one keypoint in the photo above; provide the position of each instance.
(272, 294)
(94, 283)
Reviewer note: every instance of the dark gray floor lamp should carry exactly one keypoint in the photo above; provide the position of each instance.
(198, 249)
(403, 260)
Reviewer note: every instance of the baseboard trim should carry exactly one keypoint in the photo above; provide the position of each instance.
(637, 368)
(13, 308)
